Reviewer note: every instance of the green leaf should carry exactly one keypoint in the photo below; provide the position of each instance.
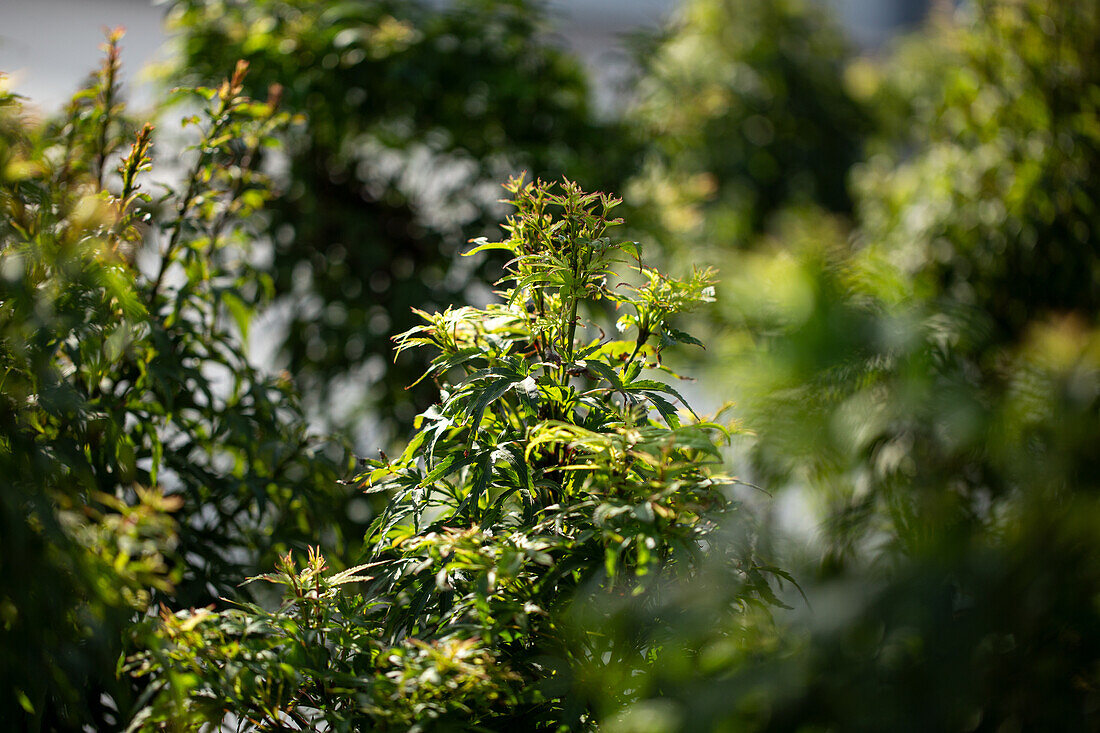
(604, 371)
(484, 245)
(492, 392)
(655, 386)
(664, 407)
(477, 488)
(450, 463)
(241, 312)
(682, 337)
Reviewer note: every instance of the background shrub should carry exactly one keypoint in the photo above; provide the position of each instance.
(745, 112)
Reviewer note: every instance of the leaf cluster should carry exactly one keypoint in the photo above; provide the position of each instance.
(984, 191)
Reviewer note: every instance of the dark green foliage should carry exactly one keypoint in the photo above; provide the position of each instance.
(892, 370)
(75, 562)
(984, 634)
(554, 477)
(392, 90)
(126, 392)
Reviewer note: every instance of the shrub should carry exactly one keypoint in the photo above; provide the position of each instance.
(554, 476)
(896, 362)
(986, 192)
(745, 111)
(126, 392)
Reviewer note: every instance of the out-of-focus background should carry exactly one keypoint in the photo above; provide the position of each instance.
(48, 44)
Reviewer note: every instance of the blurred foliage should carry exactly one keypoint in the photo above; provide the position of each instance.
(745, 110)
(997, 208)
(879, 360)
(414, 112)
(924, 377)
(126, 392)
(554, 473)
(990, 633)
